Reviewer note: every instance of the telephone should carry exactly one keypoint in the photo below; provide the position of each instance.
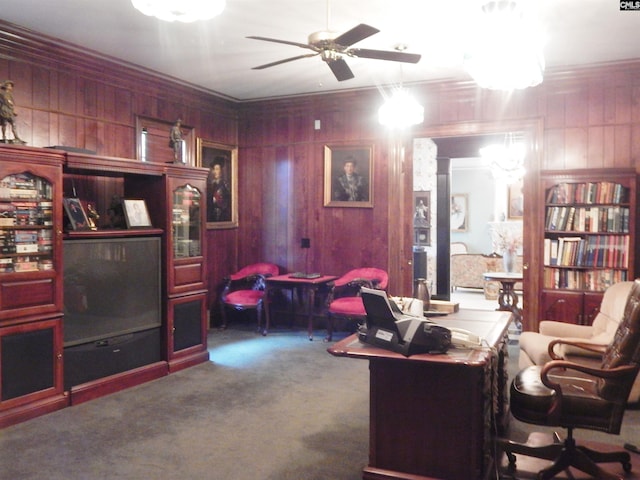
(464, 338)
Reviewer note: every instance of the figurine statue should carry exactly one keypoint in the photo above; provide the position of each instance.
(175, 141)
(93, 216)
(8, 114)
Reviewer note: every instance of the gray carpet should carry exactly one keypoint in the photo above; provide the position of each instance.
(273, 408)
(265, 408)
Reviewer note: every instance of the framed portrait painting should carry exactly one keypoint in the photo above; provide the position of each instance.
(348, 174)
(222, 182)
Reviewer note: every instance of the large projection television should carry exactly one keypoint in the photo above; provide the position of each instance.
(112, 306)
(111, 287)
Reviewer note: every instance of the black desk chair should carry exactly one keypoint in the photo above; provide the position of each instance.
(569, 395)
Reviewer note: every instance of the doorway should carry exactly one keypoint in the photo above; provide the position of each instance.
(465, 206)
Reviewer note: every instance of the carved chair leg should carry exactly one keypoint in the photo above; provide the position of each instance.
(329, 336)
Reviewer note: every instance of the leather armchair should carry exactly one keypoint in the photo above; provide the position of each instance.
(344, 300)
(534, 346)
(566, 394)
(244, 290)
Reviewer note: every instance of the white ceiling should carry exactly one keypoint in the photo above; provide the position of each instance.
(216, 56)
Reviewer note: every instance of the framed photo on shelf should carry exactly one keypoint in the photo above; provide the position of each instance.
(136, 213)
(348, 175)
(222, 183)
(75, 213)
(459, 212)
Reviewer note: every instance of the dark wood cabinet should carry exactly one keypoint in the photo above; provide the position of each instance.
(37, 298)
(588, 241)
(30, 283)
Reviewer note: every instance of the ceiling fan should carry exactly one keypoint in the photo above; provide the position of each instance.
(332, 48)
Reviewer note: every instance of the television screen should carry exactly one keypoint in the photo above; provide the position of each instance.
(111, 287)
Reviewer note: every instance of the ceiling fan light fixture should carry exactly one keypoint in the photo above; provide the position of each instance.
(401, 111)
(507, 49)
(186, 11)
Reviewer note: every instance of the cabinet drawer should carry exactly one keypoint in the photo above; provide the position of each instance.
(26, 294)
(188, 275)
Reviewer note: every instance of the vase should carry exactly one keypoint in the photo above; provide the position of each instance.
(421, 292)
(509, 261)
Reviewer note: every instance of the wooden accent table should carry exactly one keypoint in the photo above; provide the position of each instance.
(508, 298)
(432, 416)
(307, 286)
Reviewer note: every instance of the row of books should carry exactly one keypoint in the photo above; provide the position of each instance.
(603, 251)
(587, 219)
(587, 192)
(26, 213)
(25, 186)
(591, 280)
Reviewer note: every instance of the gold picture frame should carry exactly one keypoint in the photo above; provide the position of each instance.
(222, 183)
(348, 161)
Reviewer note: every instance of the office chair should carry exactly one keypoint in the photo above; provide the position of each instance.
(344, 299)
(553, 394)
(244, 290)
(534, 346)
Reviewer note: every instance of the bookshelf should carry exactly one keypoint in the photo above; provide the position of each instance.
(588, 241)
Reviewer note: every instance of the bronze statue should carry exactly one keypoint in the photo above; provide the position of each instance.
(175, 141)
(8, 114)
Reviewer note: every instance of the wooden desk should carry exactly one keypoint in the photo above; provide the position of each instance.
(432, 416)
(307, 286)
(508, 298)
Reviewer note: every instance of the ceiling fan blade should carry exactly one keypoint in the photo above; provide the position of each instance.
(340, 69)
(273, 64)
(356, 34)
(385, 55)
(286, 42)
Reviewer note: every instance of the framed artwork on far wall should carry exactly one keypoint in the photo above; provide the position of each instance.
(222, 182)
(516, 200)
(459, 212)
(348, 176)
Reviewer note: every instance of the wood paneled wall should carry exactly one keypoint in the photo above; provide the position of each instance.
(582, 118)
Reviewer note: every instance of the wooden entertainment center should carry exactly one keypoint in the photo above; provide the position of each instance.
(33, 347)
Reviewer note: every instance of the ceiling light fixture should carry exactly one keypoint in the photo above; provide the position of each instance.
(506, 52)
(181, 10)
(506, 159)
(401, 110)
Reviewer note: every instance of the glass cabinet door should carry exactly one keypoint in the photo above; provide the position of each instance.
(26, 223)
(186, 222)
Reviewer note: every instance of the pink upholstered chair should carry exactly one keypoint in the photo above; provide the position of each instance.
(344, 300)
(244, 290)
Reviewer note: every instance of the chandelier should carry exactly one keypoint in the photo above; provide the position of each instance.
(181, 10)
(506, 159)
(507, 48)
(401, 110)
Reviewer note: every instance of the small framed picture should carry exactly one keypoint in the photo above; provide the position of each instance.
(136, 213)
(75, 212)
(459, 212)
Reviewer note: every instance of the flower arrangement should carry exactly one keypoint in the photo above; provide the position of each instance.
(506, 237)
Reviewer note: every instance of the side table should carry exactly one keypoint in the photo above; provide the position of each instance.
(507, 298)
(308, 286)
